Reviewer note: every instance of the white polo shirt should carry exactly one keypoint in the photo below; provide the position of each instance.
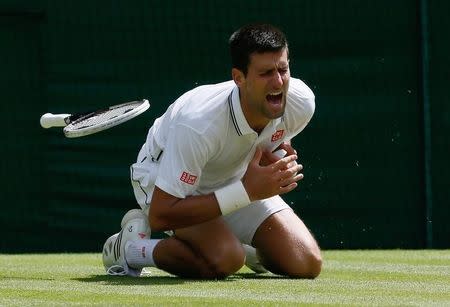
(203, 141)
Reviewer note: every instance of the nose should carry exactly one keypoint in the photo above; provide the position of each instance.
(277, 80)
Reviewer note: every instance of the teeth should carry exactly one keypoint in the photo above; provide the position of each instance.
(275, 93)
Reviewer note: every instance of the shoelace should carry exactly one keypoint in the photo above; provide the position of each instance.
(116, 270)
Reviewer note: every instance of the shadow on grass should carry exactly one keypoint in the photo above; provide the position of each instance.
(257, 276)
(167, 280)
(132, 281)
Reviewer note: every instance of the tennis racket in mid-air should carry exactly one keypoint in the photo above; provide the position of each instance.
(86, 123)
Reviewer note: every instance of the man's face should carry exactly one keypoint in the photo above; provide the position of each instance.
(263, 91)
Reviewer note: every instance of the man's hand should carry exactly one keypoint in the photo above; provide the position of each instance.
(269, 157)
(278, 177)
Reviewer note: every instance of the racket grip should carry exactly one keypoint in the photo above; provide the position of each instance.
(49, 120)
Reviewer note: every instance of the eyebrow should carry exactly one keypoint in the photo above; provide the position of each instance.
(266, 69)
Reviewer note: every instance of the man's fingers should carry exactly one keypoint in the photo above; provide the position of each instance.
(288, 188)
(294, 163)
(283, 163)
(290, 170)
(288, 180)
(277, 178)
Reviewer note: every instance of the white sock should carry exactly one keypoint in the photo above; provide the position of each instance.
(139, 253)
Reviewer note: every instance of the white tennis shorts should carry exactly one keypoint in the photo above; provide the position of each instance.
(245, 221)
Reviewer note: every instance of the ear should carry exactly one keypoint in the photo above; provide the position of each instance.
(238, 76)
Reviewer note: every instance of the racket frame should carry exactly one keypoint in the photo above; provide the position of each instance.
(77, 118)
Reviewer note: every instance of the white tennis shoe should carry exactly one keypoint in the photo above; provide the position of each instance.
(134, 227)
(252, 261)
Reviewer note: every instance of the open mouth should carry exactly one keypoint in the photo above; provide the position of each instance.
(275, 98)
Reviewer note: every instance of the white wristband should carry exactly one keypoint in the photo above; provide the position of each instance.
(280, 153)
(232, 197)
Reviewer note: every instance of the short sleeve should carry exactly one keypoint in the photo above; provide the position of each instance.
(300, 107)
(182, 161)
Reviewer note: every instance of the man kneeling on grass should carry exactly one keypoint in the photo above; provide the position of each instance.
(212, 169)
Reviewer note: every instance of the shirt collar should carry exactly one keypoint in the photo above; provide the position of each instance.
(237, 115)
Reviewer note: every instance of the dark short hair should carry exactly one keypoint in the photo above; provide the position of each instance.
(252, 38)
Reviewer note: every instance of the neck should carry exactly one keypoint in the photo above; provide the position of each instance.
(256, 123)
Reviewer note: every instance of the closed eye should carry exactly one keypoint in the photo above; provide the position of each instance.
(283, 71)
(267, 73)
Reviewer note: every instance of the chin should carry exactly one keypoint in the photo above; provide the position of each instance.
(275, 115)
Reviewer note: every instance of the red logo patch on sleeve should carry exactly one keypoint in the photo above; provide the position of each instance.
(188, 178)
(277, 135)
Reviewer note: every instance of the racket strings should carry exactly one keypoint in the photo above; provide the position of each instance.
(103, 119)
(102, 116)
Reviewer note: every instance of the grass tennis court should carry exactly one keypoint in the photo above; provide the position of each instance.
(359, 278)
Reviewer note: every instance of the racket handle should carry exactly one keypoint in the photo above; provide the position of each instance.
(49, 120)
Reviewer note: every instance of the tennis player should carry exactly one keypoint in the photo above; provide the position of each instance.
(212, 169)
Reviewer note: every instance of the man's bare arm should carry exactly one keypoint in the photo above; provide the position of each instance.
(168, 212)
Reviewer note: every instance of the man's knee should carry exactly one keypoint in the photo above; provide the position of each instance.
(311, 265)
(287, 247)
(296, 262)
(308, 264)
(224, 263)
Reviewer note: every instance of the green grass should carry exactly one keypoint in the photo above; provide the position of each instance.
(359, 278)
